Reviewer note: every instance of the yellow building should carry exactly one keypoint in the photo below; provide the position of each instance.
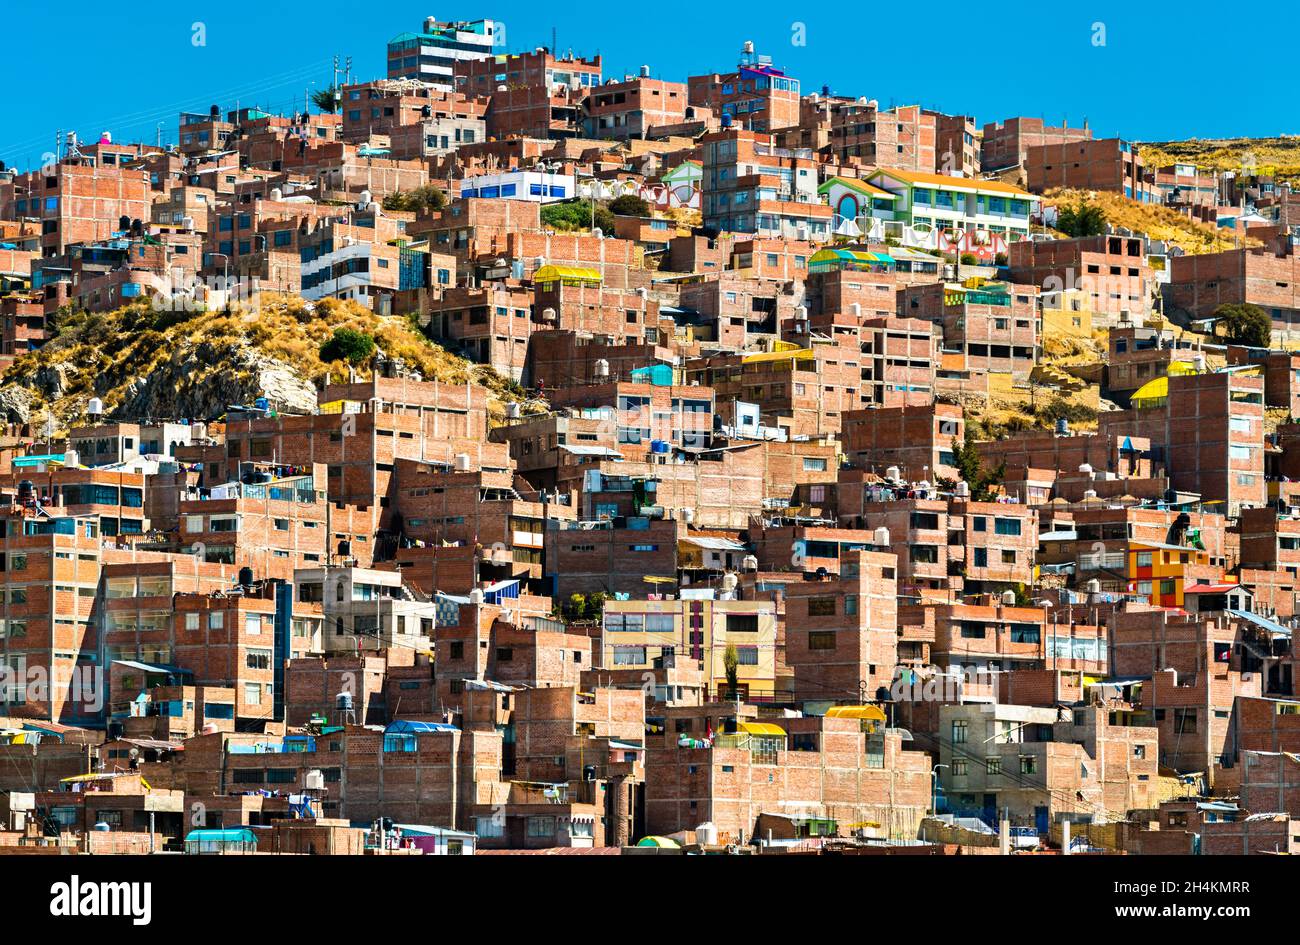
(1067, 313)
(1159, 572)
(646, 634)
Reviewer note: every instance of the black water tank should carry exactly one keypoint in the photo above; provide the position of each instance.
(246, 577)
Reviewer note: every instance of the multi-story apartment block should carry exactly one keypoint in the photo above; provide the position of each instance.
(1103, 164)
(649, 634)
(751, 186)
(432, 55)
(632, 107)
(1005, 144)
(757, 96)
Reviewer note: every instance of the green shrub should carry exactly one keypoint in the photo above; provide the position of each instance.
(576, 215)
(1245, 324)
(347, 345)
(1081, 220)
(629, 205)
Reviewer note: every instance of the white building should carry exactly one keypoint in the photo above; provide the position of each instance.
(431, 54)
(537, 186)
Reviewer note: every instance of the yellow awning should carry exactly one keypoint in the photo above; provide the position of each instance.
(561, 273)
(799, 354)
(761, 728)
(668, 843)
(871, 712)
(1151, 392)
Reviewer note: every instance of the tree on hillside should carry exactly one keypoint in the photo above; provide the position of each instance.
(425, 197)
(629, 205)
(1081, 220)
(731, 664)
(349, 345)
(970, 466)
(324, 99)
(1245, 324)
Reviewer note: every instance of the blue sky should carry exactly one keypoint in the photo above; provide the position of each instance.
(134, 65)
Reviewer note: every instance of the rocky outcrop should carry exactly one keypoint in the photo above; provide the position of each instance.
(15, 403)
(201, 381)
(198, 381)
(145, 365)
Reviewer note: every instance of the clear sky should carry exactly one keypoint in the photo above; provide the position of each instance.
(1163, 72)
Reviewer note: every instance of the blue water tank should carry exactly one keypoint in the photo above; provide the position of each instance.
(262, 403)
(658, 446)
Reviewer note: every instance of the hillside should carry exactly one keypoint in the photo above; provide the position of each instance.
(1277, 156)
(145, 363)
(1160, 223)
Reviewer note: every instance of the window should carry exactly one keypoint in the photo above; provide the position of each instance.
(821, 607)
(736, 623)
(821, 640)
(1007, 526)
(960, 730)
(993, 765)
(960, 767)
(629, 656)
(1028, 764)
(541, 827)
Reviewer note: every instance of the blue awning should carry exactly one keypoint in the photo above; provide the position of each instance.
(416, 727)
(1262, 622)
(155, 668)
(230, 835)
